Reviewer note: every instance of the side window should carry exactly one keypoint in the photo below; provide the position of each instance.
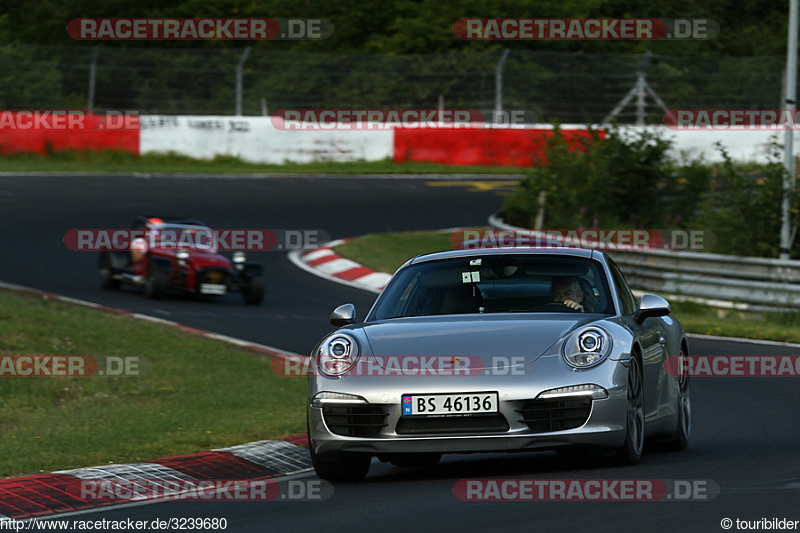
(624, 293)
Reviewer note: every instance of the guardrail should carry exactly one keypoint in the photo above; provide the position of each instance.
(751, 283)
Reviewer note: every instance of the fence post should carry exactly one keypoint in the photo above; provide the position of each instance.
(498, 85)
(639, 90)
(641, 111)
(789, 104)
(92, 78)
(239, 69)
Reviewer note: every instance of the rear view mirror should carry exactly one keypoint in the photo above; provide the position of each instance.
(343, 315)
(650, 306)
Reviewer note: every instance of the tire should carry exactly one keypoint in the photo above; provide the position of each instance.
(341, 466)
(253, 291)
(631, 450)
(156, 283)
(415, 459)
(107, 280)
(679, 440)
(338, 466)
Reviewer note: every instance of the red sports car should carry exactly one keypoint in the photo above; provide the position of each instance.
(160, 265)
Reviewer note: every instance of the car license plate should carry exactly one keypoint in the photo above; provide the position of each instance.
(212, 288)
(449, 404)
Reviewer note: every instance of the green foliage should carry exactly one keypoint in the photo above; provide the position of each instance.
(747, 27)
(624, 180)
(400, 53)
(28, 81)
(629, 180)
(743, 207)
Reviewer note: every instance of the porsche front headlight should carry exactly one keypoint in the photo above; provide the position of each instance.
(587, 347)
(337, 355)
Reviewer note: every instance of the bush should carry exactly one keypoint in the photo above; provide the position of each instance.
(624, 180)
(629, 180)
(743, 207)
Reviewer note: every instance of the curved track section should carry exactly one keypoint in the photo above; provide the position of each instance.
(36, 212)
(746, 431)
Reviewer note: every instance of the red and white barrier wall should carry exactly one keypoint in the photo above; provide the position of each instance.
(478, 146)
(258, 140)
(45, 131)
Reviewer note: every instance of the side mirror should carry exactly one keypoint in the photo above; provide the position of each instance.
(650, 306)
(343, 315)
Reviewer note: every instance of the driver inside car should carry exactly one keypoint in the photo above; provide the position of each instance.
(567, 290)
(139, 245)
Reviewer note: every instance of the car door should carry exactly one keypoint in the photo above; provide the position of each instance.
(652, 339)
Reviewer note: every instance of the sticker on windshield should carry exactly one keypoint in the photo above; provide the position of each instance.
(470, 277)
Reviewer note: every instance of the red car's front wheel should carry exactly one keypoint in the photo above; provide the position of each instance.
(253, 291)
(155, 284)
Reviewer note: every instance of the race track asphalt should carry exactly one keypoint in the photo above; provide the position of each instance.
(746, 431)
(36, 213)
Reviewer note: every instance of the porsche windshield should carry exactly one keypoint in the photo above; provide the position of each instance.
(497, 284)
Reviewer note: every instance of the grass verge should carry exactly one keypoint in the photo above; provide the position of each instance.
(197, 394)
(119, 161)
(773, 326)
(385, 252)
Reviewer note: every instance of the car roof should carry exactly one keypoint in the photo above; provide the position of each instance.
(501, 251)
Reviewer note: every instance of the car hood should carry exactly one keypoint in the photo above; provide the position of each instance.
(501, 336)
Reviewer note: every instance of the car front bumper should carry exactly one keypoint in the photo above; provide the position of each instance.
(377, 425)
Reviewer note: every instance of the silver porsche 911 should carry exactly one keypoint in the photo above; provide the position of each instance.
(497, 350)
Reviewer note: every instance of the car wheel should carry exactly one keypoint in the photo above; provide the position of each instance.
(340, 466)
(631, 450)
(683, 430)
(416, 459)
(253, 291)
(156, 283)
(107, 280)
